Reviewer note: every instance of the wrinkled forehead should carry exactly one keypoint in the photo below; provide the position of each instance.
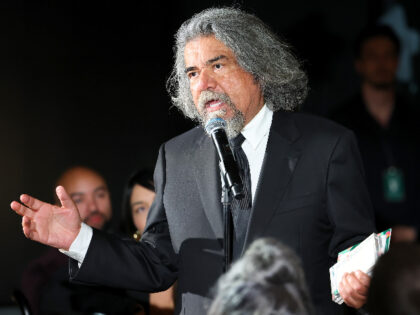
(203, 49)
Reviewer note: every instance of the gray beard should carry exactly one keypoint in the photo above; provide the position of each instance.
(234, 125)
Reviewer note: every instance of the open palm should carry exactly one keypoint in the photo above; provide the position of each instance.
(49, 224)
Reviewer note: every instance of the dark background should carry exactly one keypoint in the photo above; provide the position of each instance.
(83, 82)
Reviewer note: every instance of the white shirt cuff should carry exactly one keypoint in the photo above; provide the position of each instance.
(80, 245)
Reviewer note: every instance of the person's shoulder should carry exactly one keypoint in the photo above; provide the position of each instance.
(314, 133)
(314, 125)
(185, 139)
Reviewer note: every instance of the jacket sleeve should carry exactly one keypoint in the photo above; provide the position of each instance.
(348, 202)
(149, 265)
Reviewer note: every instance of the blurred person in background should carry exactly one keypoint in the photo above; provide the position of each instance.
(45, 281)
(395, 284)
(138, 196)
(268, 279)
(387, 131)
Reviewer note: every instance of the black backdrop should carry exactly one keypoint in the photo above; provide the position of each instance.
(83, 82)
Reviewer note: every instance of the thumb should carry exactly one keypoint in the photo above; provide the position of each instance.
(64, 197)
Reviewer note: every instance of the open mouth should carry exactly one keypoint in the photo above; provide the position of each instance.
(214, 105)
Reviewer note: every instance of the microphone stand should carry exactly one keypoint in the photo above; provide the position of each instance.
(231, 181)
(227, 220)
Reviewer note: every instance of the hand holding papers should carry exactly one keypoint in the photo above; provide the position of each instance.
(362, 256)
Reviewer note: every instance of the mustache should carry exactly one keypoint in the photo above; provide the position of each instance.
(207, 96)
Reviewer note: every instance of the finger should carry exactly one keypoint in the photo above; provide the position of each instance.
(343, 287)
(363, 278)
(26, 226)
(64, 197)
(350, 297)
(26, 222)
(31, 202)
(346, 289)
(22, 209)
(357, 286)
(29, 229)
(354, 302)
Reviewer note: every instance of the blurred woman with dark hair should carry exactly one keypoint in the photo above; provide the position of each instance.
(139, 194)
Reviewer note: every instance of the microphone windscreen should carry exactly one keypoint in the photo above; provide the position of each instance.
(214, 124)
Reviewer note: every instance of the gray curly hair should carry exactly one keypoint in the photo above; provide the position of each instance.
(257, 49)
(267, 280)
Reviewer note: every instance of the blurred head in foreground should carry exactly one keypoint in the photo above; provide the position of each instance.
(268, 279)
(395, 284)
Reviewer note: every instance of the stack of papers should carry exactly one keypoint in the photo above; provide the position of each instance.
(362, 256)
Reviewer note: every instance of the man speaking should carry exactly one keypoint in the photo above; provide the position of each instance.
(303, 180)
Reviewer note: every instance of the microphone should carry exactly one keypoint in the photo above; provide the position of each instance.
(215, 127)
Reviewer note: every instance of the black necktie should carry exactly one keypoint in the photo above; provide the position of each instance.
(241, 209)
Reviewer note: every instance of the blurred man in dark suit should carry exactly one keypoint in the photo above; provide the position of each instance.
(45, 281)
(387, 131)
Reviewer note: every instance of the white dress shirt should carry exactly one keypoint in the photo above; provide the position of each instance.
(256, 137)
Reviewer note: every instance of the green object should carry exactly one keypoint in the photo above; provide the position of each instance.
(384, 239)
(394, 188)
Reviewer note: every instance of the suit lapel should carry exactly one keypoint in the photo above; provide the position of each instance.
(206, 168)
(279, 163)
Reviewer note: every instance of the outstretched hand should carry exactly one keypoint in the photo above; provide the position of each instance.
(49, 224)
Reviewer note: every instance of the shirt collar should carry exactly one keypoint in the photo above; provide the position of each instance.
(255, 131)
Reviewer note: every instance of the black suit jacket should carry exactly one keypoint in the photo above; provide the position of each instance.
(311, 195)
